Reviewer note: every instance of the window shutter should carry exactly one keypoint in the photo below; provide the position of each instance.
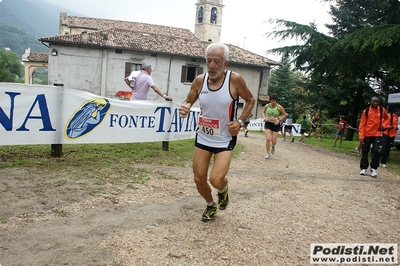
(199, 70)
(184, 74)
(128, 69)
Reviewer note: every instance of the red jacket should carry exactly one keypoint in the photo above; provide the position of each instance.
(391, 126)
(370, 127)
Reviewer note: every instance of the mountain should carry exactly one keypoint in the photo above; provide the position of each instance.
(23, 22)
(30, 16)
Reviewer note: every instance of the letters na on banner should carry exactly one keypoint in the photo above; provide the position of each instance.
(37, 114)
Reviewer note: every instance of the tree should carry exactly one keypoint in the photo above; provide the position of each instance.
(10, 66)
(345, 68)
(289, 86)
(18, 40)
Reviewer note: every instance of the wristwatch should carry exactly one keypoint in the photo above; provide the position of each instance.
(241, 122)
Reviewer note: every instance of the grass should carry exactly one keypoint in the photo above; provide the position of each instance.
(121, 162)
(329, 135)
(393, 164)
(93, 165)
(94, 156)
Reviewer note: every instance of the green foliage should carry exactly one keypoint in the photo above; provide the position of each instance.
(34, 17)
(100, 156)
(351, 15)
(360, 60)
(10, 67)
(40, 76)
(18, 40)
(289, 86)
(23, 22)
(382, 45)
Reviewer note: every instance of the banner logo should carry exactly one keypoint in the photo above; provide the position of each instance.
(87, 117)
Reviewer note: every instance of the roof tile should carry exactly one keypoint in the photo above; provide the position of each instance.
(145, 37)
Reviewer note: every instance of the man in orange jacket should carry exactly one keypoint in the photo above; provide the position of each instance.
(372, 123)
(388, 135)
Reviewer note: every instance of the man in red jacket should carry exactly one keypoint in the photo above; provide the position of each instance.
(388, 135)
(372, 124)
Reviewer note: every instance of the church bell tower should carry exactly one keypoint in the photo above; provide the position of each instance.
(208, 20)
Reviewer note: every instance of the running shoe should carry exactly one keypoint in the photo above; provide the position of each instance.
(223, 199)
(209, 213)
(373, 172)
(383, 165)
(356, 151)
(245, 134)
(292, 139)
(266, 156)
(363, 171)
(273, 150)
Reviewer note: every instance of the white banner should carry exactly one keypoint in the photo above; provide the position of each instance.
(394, 98)
(258, 125)
(37, 114)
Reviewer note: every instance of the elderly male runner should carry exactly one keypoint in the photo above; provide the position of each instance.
(218, 92)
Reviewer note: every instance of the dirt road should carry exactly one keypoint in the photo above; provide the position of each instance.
(279, 206)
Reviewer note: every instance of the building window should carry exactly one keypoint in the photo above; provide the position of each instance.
(189, 73)
(200, 14)
(213, 19)
(129, 67)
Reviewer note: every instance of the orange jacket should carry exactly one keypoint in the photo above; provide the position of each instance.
(392, 132)
(370, 127)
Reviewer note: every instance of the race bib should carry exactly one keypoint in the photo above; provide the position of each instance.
(209, 126)
(272, 119)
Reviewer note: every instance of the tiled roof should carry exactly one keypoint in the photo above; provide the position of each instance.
(144, 37)
(103, 24)
(38, 57)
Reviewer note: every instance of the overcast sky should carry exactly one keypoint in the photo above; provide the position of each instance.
(244, 23)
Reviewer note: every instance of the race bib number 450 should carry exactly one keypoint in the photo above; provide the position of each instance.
(209, 126)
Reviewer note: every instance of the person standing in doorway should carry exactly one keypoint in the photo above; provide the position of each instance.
(143, 83)
(370, 134)
(273, 113)
(218, 92)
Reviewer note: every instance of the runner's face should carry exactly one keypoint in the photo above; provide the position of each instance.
(216, 63)
(375, 102)
(273, 103)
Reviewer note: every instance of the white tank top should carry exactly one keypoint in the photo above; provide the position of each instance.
(217, 108)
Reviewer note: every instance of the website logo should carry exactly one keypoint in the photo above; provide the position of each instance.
(354, 253)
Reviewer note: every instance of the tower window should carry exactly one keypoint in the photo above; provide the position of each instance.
(214, 12)
(200, 14)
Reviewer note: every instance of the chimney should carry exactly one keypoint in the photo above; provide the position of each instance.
(84, 37)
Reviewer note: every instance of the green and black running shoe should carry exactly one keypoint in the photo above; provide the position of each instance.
(223, 199)
(209, 213)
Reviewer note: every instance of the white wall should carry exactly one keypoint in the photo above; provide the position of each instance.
(83, 68)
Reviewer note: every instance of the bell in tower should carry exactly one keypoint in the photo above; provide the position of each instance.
(208, 20)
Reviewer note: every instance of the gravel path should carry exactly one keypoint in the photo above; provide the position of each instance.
(279, 206)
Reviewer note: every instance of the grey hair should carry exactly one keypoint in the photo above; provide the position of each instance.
(144, 66)
(219, 46)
